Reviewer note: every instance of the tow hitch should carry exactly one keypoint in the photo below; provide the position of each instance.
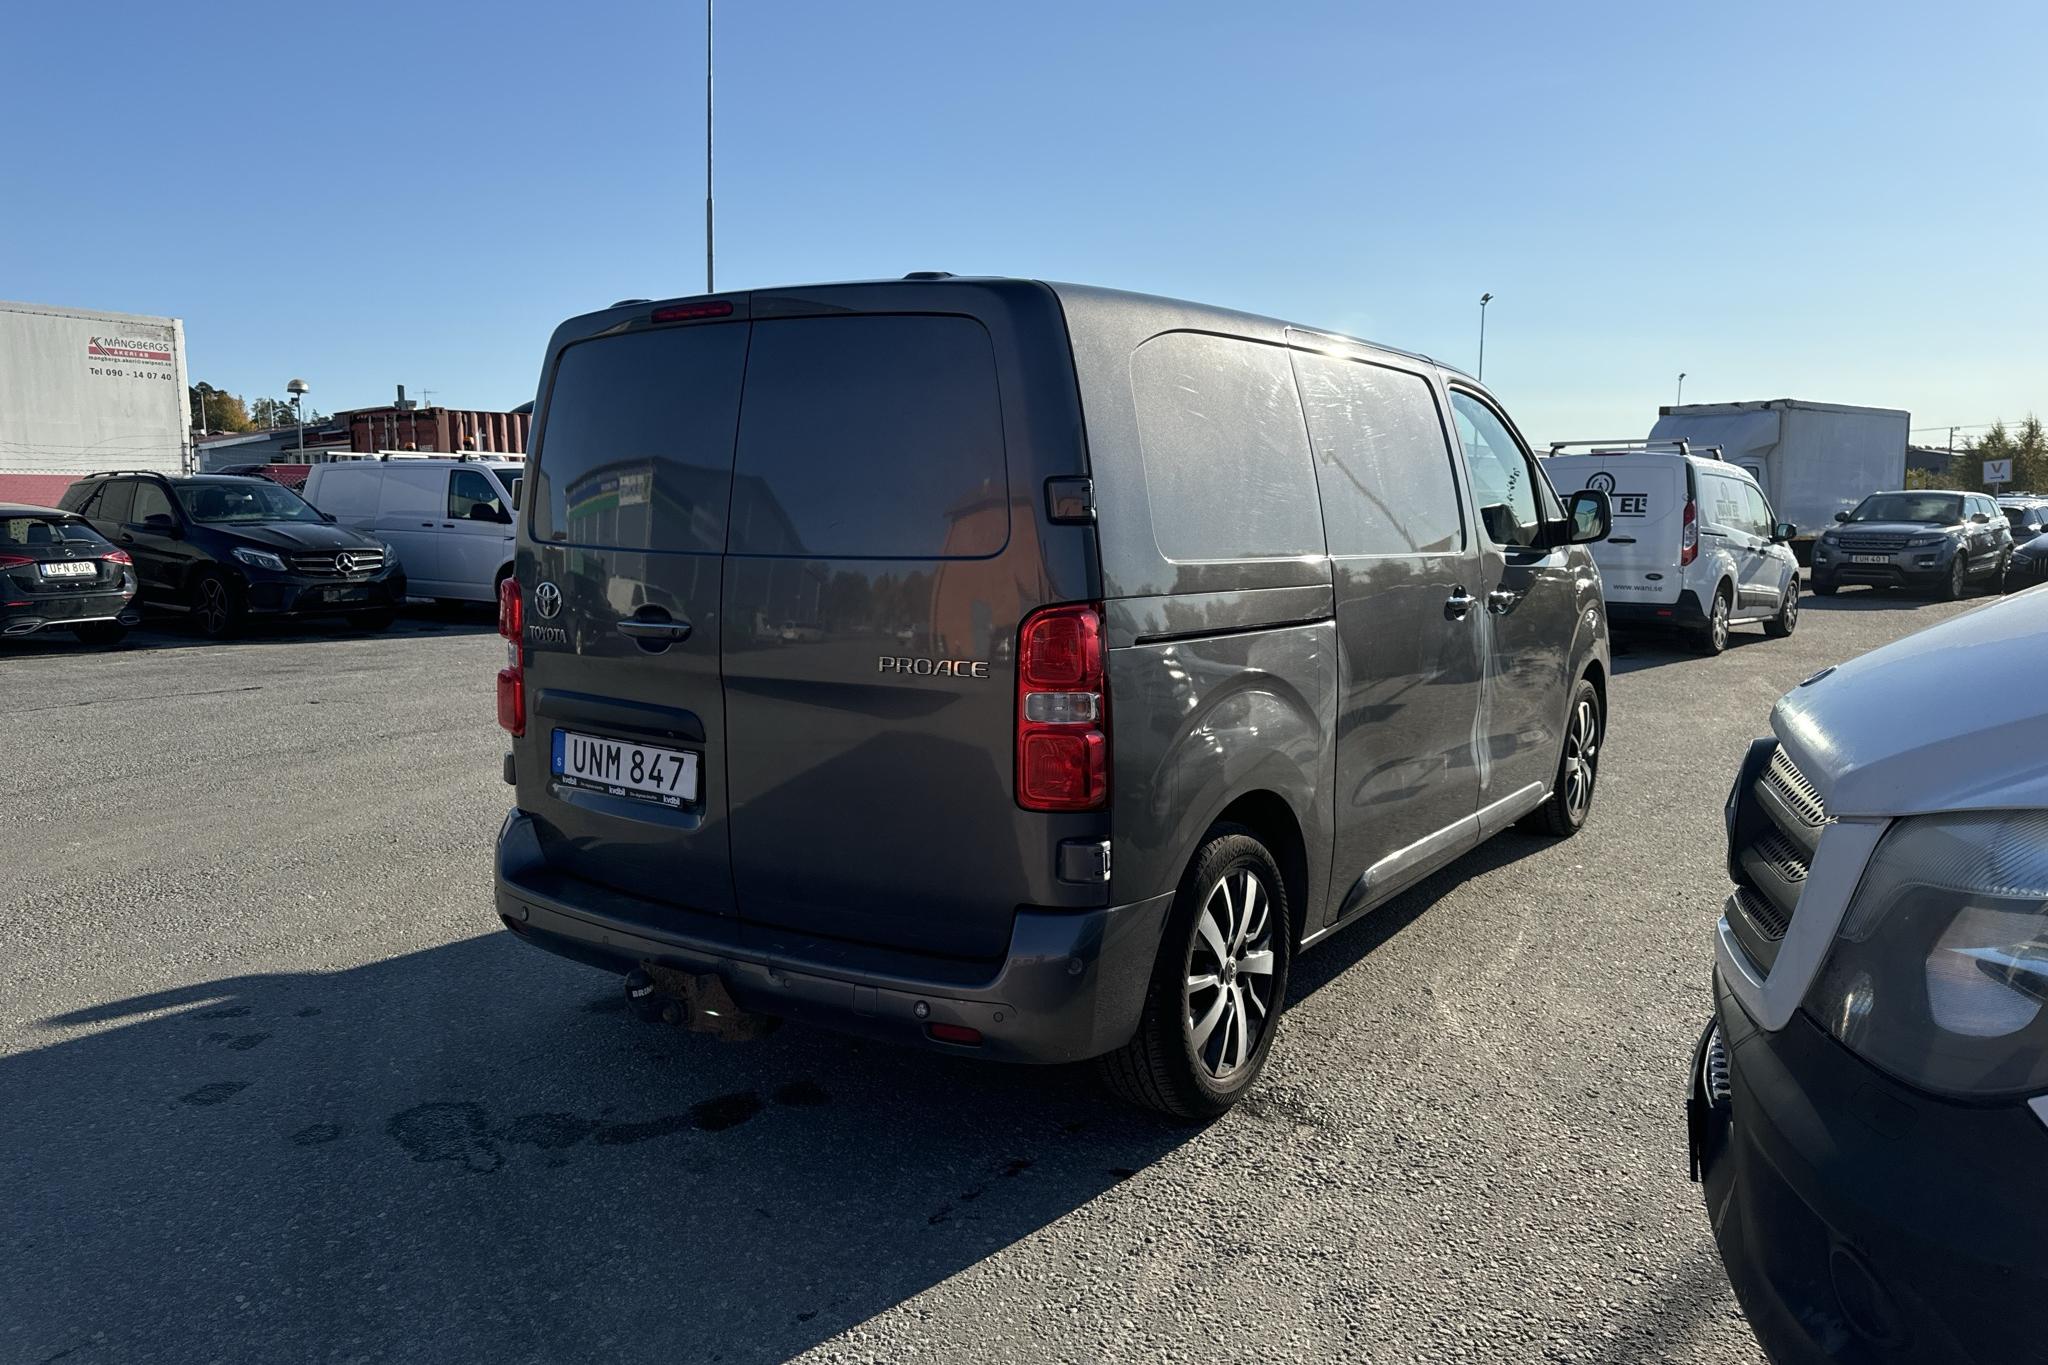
(696, 1000)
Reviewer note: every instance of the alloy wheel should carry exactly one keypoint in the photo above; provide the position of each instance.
(1719, 624)
(1791, 612)
(213, 606)
(1958, 577)
(1228, 999)
(1581, 758)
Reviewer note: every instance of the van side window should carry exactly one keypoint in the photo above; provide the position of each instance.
(1504, 481)
(1725, 507)
(1761, 522)
(469, 490)
(871, 437)
(1227, 465)
(1382, 460)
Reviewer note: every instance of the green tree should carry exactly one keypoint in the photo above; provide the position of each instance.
(2025, 445)
(222, 411)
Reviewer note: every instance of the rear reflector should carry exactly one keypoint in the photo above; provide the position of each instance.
(512, 700)
(955, 1033)
(686, 312)
(510, 611)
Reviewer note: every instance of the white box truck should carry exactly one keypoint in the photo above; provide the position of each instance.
(82, 391)
(1811, 459)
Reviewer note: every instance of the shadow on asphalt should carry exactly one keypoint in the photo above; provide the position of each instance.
(475, 1152)
(166, 632)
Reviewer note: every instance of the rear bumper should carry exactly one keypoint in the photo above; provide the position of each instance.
(62, 613)
(1861, 1220)
(1684, 612)
(1070, 987)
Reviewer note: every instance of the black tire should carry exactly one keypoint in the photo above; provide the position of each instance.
(103, 634)
(1712, 638)
(1957, 585)
(217, 609)
(371, 620)
(1564, 813)
(1787, 619)
(1824, 587)
(1170, 1064)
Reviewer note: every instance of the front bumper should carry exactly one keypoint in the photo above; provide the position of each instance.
(1916, 568)
(1070, 987)
(1860, 1220)
(293, 595)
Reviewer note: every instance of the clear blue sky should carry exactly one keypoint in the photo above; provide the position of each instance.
(1839, 202)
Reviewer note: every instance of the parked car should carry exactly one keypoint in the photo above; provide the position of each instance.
(1172, 715)
(1869, 1107)
(222, 548)
(1695, 543)
(2028, 517)
(1941, 540)
(450, 519)
(57, 573)
(2028, 566)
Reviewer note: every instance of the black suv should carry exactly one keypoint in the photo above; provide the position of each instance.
(225, 548)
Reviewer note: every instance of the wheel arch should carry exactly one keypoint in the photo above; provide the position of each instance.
(1274, 823)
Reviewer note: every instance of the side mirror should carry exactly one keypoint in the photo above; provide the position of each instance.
(328, 517)
(162, 524)
(518, 485)
(1979, 518)
(1783, 532)
(1841, 516)
(1589, 516)
(483, 511)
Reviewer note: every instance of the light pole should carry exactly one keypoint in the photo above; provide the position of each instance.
(1484, 299)
(298, 389)
(1681, 390)
(202, 389)
(708, 222)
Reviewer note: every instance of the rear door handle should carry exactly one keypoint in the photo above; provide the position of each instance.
(1621, 540)
(1459, 603)
(1502, 600)
(655, 630)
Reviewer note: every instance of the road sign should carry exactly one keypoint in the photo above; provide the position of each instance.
(1998, 471)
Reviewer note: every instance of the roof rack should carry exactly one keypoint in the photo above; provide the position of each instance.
(1662, 445)
(125, 473)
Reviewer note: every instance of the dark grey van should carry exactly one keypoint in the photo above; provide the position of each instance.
(1018, 669)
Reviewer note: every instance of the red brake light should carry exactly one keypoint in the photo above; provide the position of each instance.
(686, 312)
(14, 561)
(1062, 711)
(118, 557)
(511, 614)
(1689, 537)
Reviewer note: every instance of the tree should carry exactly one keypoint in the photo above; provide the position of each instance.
(222, 411)
(2026, 446)
(273, 413)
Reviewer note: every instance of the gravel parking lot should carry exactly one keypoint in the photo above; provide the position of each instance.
(277, 1087)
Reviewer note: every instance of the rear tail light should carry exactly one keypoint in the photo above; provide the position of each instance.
(512, 677)
(118, 557)
(15, 561)
(1689, 538)
(1062, 711)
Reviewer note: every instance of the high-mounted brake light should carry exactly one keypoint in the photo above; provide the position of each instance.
(686, 312)
(512, 677)
(1062, 711)
(1689, 537)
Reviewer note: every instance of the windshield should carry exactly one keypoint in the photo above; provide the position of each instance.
(251, 501)
(1943, 509)
(36, 532)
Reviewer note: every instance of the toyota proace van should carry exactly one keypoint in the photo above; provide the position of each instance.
(1695, 545)
(1022, 670)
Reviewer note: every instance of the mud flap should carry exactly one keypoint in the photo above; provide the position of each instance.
(704, 1005)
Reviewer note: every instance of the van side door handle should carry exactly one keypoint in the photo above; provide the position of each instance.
(668, 632)
(1621, 540)
(1501, 601)
(1459, 603)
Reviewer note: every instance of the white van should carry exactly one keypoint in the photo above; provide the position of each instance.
(1695, 544)
(450, 520)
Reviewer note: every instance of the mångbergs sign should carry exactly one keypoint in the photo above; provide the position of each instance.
(129, 348)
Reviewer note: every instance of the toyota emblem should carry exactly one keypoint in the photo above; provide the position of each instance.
(547, 600)
(344, 563)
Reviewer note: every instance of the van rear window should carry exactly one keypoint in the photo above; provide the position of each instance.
(636, 451)
(871, 437)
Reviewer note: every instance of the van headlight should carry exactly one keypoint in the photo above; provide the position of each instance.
(1939, 972)
(259, 559)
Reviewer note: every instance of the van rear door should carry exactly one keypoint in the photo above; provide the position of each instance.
(1639, 560)
(881, 554)
(623, 764)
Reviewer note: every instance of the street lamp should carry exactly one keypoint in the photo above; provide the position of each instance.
(202, 389)
(1681, 390)
(298, 389)
(1484, 299)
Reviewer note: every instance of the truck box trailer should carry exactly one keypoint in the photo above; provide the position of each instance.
(1811, 459)
(82, 390)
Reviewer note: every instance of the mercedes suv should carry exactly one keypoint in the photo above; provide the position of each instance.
(1026, 671)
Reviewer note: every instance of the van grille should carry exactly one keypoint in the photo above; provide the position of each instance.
(329, 563)
(1779, 818)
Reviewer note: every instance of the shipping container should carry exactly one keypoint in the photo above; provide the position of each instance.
(83, 390)
(1811, 459)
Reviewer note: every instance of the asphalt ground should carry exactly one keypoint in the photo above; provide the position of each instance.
(275, 1086)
